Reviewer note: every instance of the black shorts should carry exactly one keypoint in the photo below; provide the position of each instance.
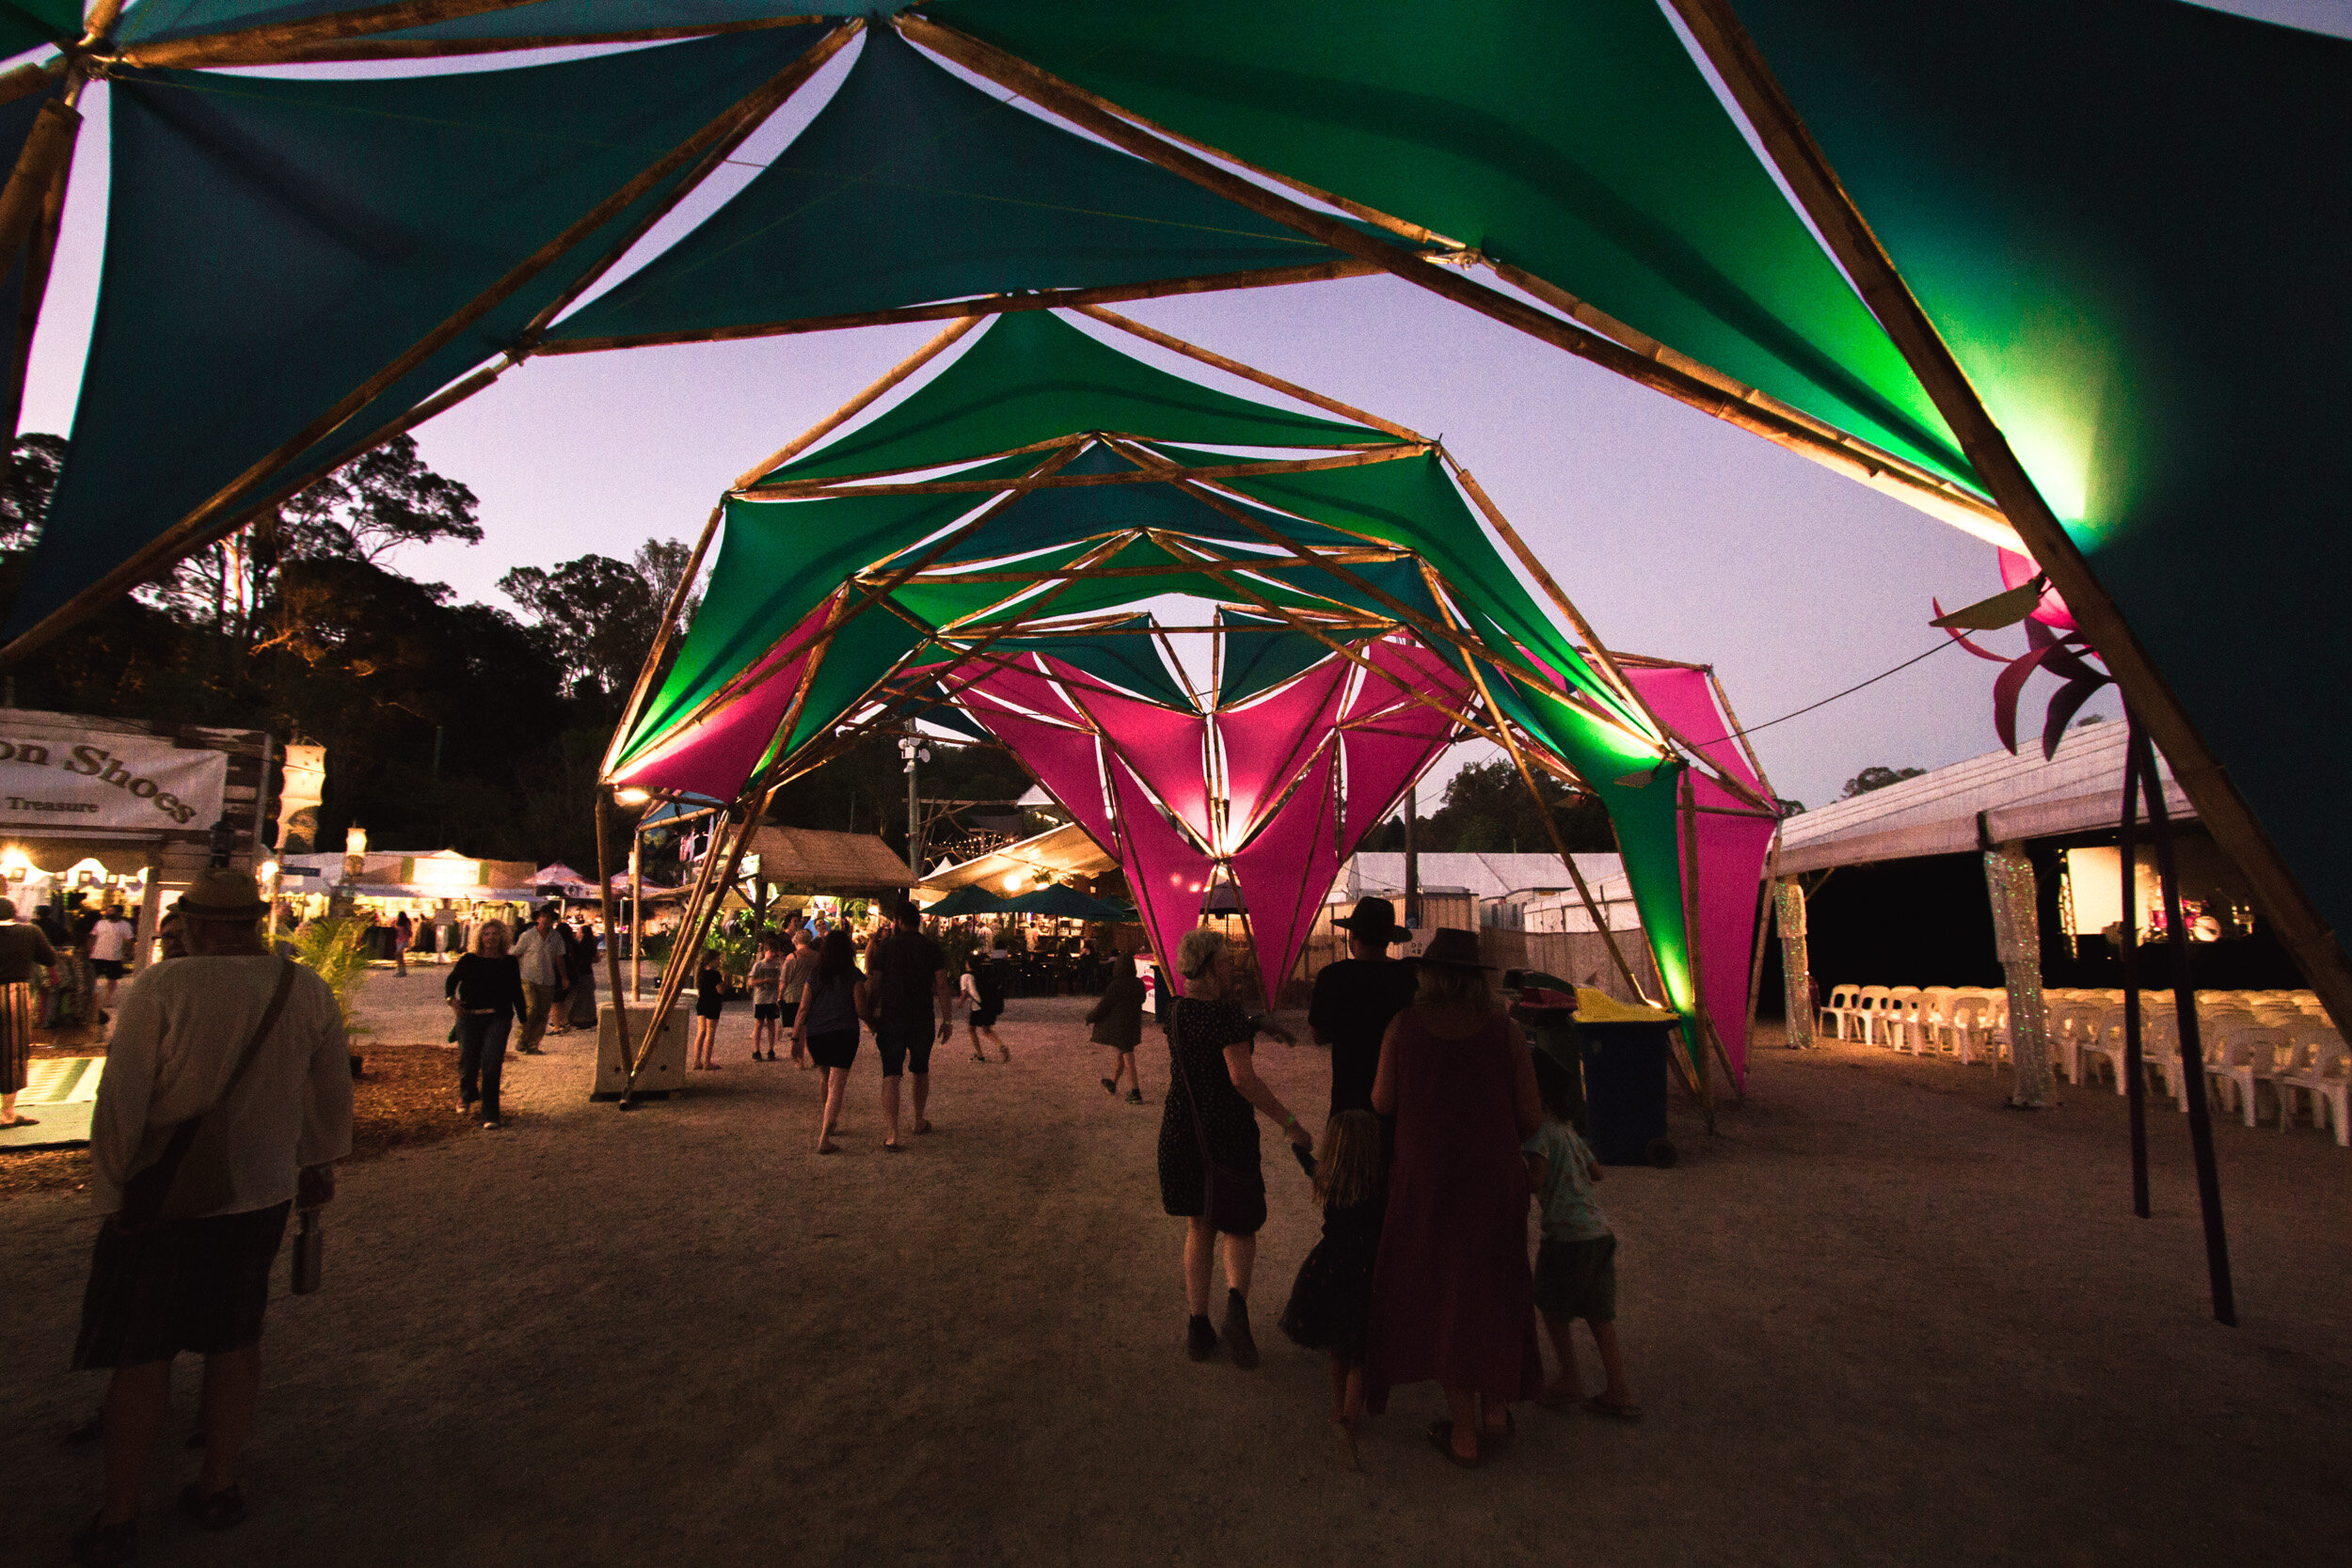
(904, 1047)
(1577, 1279)
(985, 1018)
(763, 1011)
(109, 969)
(833, 1048)
(707, 1007)
(182, 1284)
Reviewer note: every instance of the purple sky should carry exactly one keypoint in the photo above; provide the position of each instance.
(1675, 534)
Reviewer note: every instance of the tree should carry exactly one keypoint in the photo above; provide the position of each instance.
(1487, 808)
(30, 477)
(1877, 778)
(598, 617)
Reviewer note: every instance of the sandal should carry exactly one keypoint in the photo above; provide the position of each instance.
(828, 1146)
(1111, 1084)
(894, 1148)
(922, 1127)
(1441, 1435)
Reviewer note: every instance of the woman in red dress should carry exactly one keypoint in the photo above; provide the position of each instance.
(1452, 1299)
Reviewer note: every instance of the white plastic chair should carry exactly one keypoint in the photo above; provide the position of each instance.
(1897, 1016)
(2097, 1033)
(1835, 1012)
(1867, 1001)
(2245, 1059)
(2326, 1076)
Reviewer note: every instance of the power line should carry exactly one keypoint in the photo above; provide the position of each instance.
(1848, 692)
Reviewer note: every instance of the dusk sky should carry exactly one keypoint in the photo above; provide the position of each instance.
(1676, 534)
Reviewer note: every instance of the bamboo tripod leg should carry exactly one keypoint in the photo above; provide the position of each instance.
(611, 927)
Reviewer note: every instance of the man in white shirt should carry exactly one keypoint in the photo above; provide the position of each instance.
(539, 954)
(111, 942)
(189, 1269)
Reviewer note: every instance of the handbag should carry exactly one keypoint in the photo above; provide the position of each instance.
(1234, 1201)
(153, 1195)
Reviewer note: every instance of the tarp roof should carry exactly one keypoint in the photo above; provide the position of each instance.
(812, 860)
(1066, 850)
(2078, 790)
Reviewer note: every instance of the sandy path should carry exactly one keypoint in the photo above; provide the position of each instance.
(1879, 1320)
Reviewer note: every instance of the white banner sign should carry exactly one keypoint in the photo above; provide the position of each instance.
(112, 782)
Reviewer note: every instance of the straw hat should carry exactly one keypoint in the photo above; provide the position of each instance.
(1456, 949)
(223, 894)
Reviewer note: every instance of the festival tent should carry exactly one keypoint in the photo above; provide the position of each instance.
(969, 899)
(1003, 544)
(2088, 311)
(1064, 903)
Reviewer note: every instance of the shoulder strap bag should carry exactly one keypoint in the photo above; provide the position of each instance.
(1234, 1201)
(150, 1196)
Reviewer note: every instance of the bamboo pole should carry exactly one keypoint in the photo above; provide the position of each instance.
(1059, 98)
(981, 307)
(937, 345)
(612, 927)
(1542, 811)
(829, 488)
(40, 254)
(1250, 372)
(636, 906)
(356, 35)
(2224, 812)
(47, 152)
(206, 522)
(672, 980)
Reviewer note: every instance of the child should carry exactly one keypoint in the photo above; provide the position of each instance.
(1331, 1301)
(1118, 1020)
(988, 1003)
(767, 983)
(1576, 1267)
(710, 995)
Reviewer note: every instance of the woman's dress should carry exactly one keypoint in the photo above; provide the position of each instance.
(1197, 1045)
(1330, 1302)
(1452, 1298)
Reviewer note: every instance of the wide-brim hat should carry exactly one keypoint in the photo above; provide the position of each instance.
(1375, 917)
(1454, 949)
(220, 894)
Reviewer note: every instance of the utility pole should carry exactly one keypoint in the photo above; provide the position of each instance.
(912, 749)
(1412, 860)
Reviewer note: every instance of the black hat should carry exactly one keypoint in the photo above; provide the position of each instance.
(1374, 918)
(1454, 949)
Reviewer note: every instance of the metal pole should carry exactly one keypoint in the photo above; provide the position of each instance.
(1412, 858)
(2135, 1079)
(636, 907)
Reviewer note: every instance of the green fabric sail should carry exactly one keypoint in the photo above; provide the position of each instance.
(1031, 378)
(1259, 654)
(29, 23)
(1130, 661)
(271, 244)
(911, 186)
(2127, 217)
(1412, 502)
(777, 561)
(1578, 141)
(863, 652)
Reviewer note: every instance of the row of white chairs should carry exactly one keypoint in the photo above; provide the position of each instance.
(2262, 1049)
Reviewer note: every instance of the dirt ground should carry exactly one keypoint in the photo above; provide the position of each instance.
(1879, 1320)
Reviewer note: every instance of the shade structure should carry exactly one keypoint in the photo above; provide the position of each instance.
(968, 900)
(2080, 252)
(1057, 902)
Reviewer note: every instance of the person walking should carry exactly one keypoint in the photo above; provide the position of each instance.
(112, 940)
(1355, 998)
(767, 984)
(793, 990)
(1452, 1296)
(580, 961)
(826, 1026)
(1576, 1263)
(539, 955)
(404, 938)
(226, 1101)
(1118, 1019)
(710, 1001)
(909, 1001)
(1330, 1301)
(485, 990)
(24, 954)
(567, 964)
(1208, 1153)
(978, 985)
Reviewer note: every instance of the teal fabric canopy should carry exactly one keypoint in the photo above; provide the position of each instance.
(910, 186)
(273, 243)
(156, 21)
(1262, 654)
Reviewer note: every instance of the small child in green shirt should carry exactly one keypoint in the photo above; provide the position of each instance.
(1576, 1263)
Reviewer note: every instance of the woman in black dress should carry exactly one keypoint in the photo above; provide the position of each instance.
(1210, 1043)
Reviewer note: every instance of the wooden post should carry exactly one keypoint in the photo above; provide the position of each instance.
(2219, 806)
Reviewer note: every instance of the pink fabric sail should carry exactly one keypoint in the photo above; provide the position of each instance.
(1163, 746)
(1167, 874)
(1390, 738)
(1017, 684)
(1063, 760)
(1285, 872)
(714, 756)
(1731, 848)
(1266, 742)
